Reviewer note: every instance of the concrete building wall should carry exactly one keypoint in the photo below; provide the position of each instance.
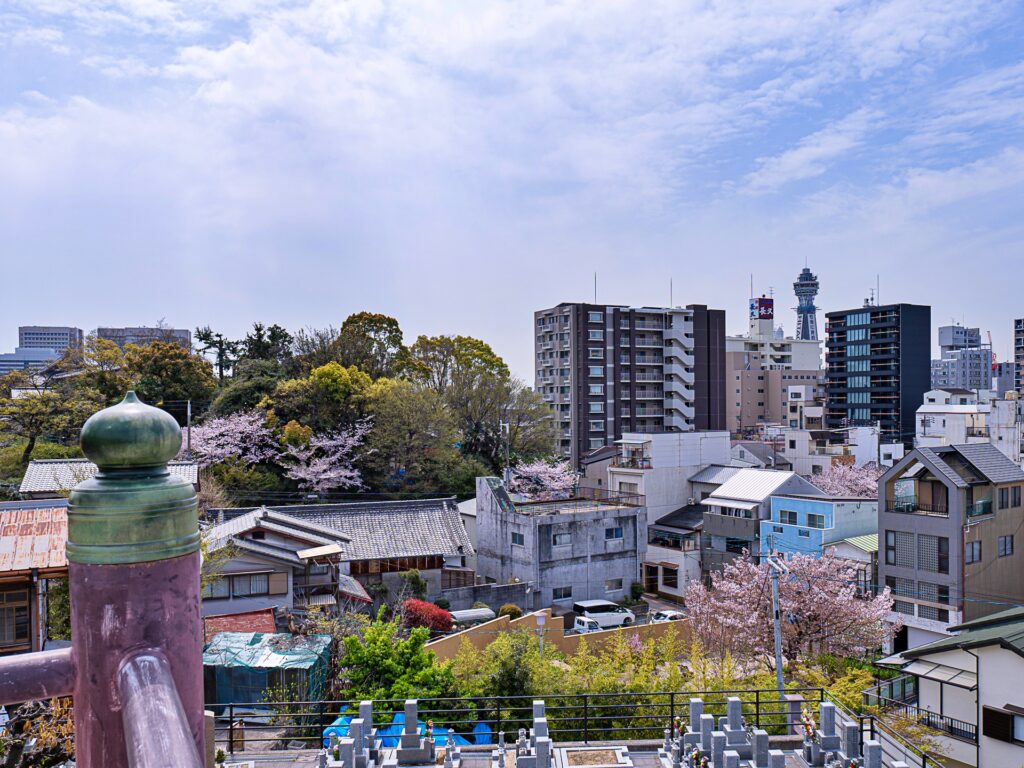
(1000, 672)
(239, 565)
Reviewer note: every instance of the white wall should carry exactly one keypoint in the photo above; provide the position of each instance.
(1000, 682)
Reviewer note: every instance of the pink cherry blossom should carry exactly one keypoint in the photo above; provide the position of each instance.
(326, 462)
(243, 435)
(847, 480)
(541, 480)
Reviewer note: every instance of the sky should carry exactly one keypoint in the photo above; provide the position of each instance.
(460, 165)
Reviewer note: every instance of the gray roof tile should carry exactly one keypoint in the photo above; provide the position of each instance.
(57, 475)
(995, 465)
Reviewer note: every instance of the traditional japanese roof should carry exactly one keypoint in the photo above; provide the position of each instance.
(351, 588)
(380, 530)
(716, 474)
(248, 621)
(61, 475)
(33, 537)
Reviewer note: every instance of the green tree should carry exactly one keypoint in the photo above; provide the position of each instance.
(311, 348)
(413, 435)
(99, 365)
(253, 380)
(36, 412)
(384, 664)
(373, 343)
(223, 348)
(452, 365)
(330, 398)
(165, 373)
(267, 343)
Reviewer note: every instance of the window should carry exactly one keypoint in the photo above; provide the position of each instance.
(670, 577)
(14, 618)
(629, 487)
(815, 521)
(1015, 496)
(596, 442)
(736, 546)
(595, 317)
(518, 539)
(595, 353)
(561, 539)
(972, 552)
(932, 553)
(561, 593)
(1005, 545)
(803, 534)
(792, 445)
(597, 389)
(933, 613)
(597, 335)
(1004, 498)
(250, 585)
(596, 370)
(787, 516)
(899, 548)
(613, 585)
(597, 426)
(219, 588)
(777, 529)
(612, 533)
(596, 407)
(667, 539)
(858, 335)
(857, 350)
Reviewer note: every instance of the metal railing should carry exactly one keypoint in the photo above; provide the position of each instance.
(587, 718)
(631, 462)
(902, 688)
(914, 507)
(979, 508)
(950, 726)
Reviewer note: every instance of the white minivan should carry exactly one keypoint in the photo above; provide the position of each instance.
(606, 613)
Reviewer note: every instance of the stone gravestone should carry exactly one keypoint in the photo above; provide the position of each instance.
(829, 739)
(761, 748)
(851, 739)
(776, 758)
(872, 754)
(717, 748)
(731, 759)
(369, 730)
(707, 727)
(452, 754)
(692, 736)
(412, 748)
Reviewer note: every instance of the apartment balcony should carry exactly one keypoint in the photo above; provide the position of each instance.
(914, 507)
(631, 462)
(980, 508)
(977, 432)
(643, 413)
(643, 377)
(648, 394)
(649, 360)
(649, 343)
(549, 398)
(642, 325)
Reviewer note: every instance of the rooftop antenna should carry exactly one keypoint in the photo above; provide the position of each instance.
(878, 290)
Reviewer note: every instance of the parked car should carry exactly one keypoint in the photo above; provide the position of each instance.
(606, 613)
(667, 615)
(583, 625)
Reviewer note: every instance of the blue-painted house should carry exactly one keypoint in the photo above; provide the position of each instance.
(809, 525)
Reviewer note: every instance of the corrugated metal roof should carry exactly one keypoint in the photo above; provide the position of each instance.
(714, 474)
(59, 475)
(867, 543)
(33, 538)
(750, 484)
(991, 462)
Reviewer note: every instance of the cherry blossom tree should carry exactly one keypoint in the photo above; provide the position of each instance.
(326, 461)
(542, 480)
(848, 480)
(243, 435)
(822, 610)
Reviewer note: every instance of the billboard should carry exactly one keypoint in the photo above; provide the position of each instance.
(762, 309)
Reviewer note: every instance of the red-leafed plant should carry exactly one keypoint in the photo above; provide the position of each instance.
(419, 613)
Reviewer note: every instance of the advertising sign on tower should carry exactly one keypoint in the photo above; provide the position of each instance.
(762, 309)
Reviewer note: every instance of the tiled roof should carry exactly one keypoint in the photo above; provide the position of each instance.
(351, 587)
(33, 538)
(715, 474)
(248, 621)
(379, 530)
(690, 517)
(991, 462)
(234, 524)
(936, 461)
(1005, 628)
(57, 475)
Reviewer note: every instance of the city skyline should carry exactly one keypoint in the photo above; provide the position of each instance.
(459, 168)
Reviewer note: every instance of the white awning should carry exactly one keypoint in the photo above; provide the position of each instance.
(324, 551)
(632, 442)
(942, 673)
(729, 503)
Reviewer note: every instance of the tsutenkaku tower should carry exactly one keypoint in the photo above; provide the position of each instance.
(806, 288)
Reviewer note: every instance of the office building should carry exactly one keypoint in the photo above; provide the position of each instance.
(55, 337)
(608, 369)
(762, 365)
(27, 359)
(143, 335)
(947, 522)
(964, 361)
(878, 368)
(806, 289)
(1018, 353)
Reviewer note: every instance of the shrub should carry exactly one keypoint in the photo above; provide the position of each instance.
(413, 584)
(442, 603)
(419, 613)
(636, 590)
(511, 610)
(480, 604)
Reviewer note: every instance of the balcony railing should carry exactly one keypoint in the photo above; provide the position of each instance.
(631, 462)
(914, 507)
(980, 508)
(958, 729)
(977, 432)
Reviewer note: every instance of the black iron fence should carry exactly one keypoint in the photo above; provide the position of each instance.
(582, 718)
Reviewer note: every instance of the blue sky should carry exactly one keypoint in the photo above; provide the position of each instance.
(459, 165)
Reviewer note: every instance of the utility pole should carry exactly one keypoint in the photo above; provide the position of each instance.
(777, 566)
(505, 428)
(188, 428)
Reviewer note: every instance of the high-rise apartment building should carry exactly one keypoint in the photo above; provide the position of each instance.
(964, 361)
(878, 367)
(608, 369)
(55, 337)
(144, 335)
(762, 365)
(1018, 352)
